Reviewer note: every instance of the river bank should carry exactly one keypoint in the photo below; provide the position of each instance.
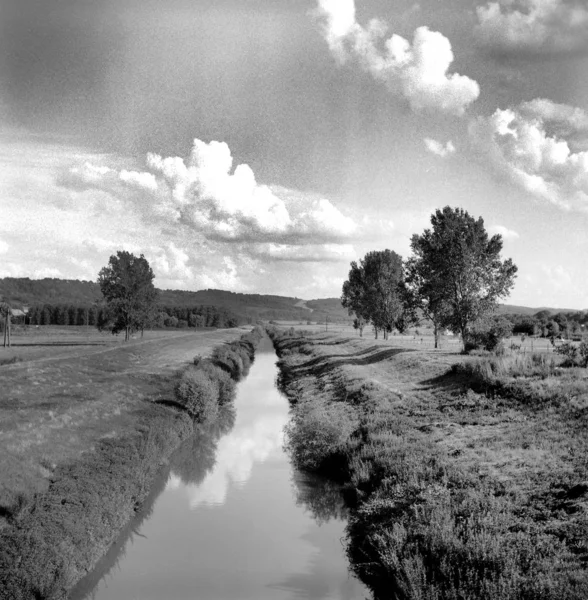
(230, 519)
(454, 493)
(51, 538)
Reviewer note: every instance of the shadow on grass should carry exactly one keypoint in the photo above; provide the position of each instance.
(325, 364)
(60, 344)
(447, 382)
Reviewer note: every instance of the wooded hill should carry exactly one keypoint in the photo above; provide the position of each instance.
(248, 307)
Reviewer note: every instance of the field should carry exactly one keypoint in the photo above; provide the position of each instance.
(467, 476)
(66, 388)
(420, 338)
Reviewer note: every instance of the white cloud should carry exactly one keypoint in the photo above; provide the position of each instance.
(171, 265)
(146, 181)
(3, 247)
(440, 149)
(417, 72)
(517, 143)
(507, 234)
(205, 194)
(537, 26)
(310, 253)
(70, 210)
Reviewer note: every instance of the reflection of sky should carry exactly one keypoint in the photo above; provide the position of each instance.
(256, 438)
(244, 532)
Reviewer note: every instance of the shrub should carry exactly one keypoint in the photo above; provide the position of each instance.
(319, 436)
(584, 354)
(226, 385)
(199, 394)
(569, 352)
(488, 335)
(229, 361)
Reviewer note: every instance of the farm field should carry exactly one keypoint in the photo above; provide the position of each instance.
(74, 386)
(486, 473)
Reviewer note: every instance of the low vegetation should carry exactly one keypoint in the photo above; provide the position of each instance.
(465, 479)
(210, 383)
(50, 539)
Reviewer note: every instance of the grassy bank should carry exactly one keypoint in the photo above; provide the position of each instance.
(464, 481)
(51, 538)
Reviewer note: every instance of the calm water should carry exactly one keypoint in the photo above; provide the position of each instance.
(230, 518)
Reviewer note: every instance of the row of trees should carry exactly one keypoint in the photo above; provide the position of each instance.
(164, 316)
(454, 279)
(547, 324)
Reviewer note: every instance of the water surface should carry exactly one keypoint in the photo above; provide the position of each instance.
(231, 519)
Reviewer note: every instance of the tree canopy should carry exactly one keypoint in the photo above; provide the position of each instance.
(374, 291)
(457, 270)
(127, 286)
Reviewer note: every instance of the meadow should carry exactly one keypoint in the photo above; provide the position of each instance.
(466, 477)
(85, 422)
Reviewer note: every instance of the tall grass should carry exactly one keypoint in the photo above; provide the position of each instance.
(423, 525)
(53, 538)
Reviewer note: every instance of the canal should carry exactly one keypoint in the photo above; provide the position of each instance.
(230, 519)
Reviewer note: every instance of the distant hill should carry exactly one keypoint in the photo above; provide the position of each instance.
(19, 291)
(526, 310)
(25, 291)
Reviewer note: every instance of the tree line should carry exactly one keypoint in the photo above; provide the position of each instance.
(164, 316)
(453, 279)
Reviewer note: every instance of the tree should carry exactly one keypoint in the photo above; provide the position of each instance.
(423, 293)
(353, 295)
(374, 291)
(127, 286)
(461, 266)
(5, 314)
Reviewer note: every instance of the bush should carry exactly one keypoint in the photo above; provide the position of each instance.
(569, 352)
(319, 436)
(229, 361)
(226, 385)
(199, 394)
(488, 335)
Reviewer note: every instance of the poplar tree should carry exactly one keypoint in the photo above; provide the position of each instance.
(458, 270)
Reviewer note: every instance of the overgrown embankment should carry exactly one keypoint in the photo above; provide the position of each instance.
(454, 493)
(53, 538)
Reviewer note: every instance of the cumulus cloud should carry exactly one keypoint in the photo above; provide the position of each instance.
(559, 120)
(206, 194)
(440, 149)
(171, 265)
(416, 71)
(507, 234)
(517, 143)
(536, 26)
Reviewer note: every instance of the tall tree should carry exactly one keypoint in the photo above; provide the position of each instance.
(353, 295)
(374, 291)
(127, 286)
(460, 270)
(423, 294)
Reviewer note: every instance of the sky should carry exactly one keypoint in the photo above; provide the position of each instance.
(260, 146)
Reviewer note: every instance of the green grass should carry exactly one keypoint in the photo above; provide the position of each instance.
(455, 492)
